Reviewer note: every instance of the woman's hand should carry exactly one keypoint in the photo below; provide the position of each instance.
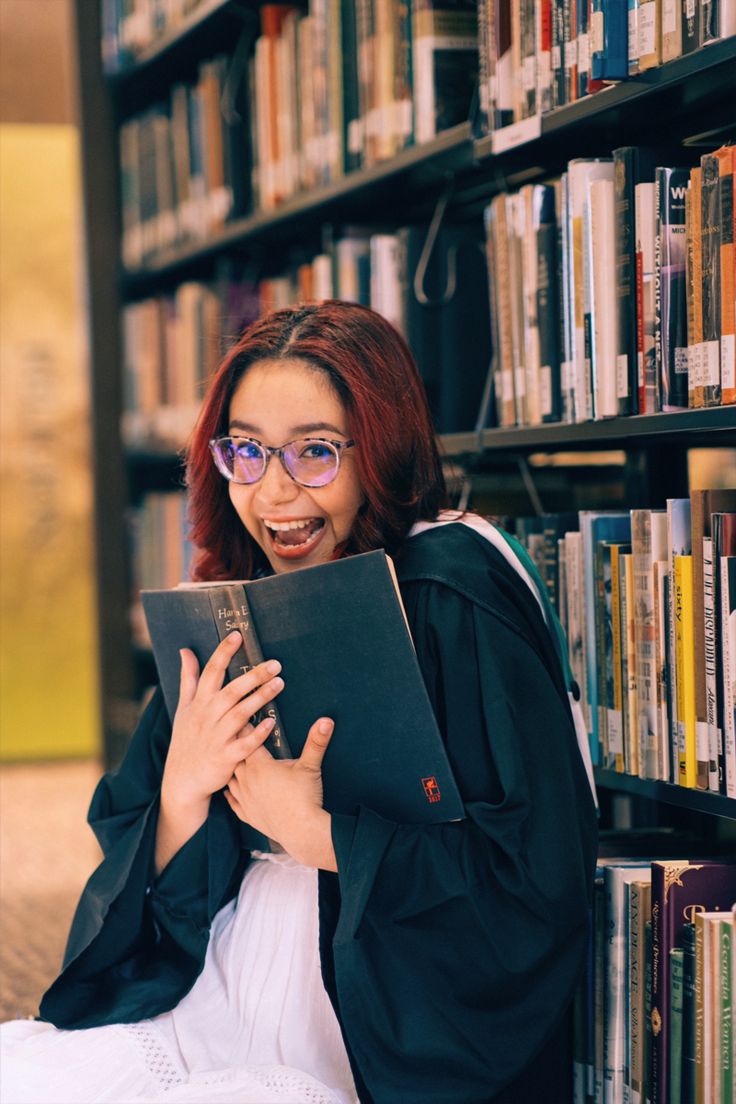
(212, 729)
(283, 798)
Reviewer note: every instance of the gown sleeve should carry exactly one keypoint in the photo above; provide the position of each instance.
(458, 946)
(137, 941)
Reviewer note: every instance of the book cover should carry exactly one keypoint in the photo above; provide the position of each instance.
(690, 25)
(726, 990)
(646, 235)
(544, 228)
(445, 64)
(648, 536)
(631, 698)
(684, 659)
(677, 956)
(727, 592)
(640, 906)
(687, 1072)
(609, 41)
(711, 279)
(679, 543)
(595, 526)
(723, 530)
(679, 890)
(340, 634)
(650, 34)
(671, 29)
(615, 878)
(727, 163)
(703, 503)
(609, 382)
(670, 293)
(694, 290)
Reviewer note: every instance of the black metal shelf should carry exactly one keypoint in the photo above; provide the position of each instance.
(700, 801)
(713, 426)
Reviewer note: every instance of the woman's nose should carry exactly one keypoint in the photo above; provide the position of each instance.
(276, 485)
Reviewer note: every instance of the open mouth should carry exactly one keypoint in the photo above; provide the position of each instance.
(295, 538)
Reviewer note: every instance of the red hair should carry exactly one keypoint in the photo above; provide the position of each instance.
(375, 377)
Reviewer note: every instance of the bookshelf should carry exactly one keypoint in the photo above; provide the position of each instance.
(690, 95)
(685, 104)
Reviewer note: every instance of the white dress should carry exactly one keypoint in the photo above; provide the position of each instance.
(256, 1027)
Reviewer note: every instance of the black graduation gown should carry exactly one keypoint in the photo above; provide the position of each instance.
(450, 952)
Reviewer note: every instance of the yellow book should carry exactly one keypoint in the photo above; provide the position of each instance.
(685, 669)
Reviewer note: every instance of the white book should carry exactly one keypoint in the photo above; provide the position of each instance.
(581, 172)
(601, 248)
(386, 297)
(726, 586)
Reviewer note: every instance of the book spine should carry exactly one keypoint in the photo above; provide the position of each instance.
(710, 274)
(641, 542)
(650, 34)
(671, 29)
(231, 610)
(687, 752)
(547, 296)
(695, 340)
(687, 1095)
(640, 908)
(659, 988)
(727, 592)
(628, 617)
(626, 278)
(602, 567)
(699, 1008)
(726, 982)
(690, 25)
(616, 714)
(715, 736)
(727, 160)
(646, 236)
(709, 21)
(676, 966)
(672, 302)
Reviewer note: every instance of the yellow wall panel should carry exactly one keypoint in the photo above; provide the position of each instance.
(48, 669)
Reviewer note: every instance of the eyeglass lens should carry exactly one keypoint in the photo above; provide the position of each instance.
(313, 463)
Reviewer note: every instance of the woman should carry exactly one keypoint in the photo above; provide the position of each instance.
(370, 959)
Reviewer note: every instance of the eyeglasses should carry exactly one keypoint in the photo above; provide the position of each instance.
(309, 461)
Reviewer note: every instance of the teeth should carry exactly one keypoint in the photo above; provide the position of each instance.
(281, 526)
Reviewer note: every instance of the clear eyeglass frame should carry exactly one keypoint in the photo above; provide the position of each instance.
(285, 454)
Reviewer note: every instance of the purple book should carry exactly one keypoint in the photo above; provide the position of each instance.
(679, 890)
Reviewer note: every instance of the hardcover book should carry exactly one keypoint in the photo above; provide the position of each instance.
(340, 634)
(680, 889)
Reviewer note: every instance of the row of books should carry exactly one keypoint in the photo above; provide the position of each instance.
(648, 602)
(130, 27)
(173, 343)
(537, 55)
(185, 165)
(320, 94)
(653, 1016)
(613, 289)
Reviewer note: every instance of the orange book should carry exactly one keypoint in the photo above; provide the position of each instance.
(727, 170)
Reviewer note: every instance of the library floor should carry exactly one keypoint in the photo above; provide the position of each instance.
(47, 851)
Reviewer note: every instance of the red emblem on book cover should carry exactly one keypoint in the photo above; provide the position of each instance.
(431, 789)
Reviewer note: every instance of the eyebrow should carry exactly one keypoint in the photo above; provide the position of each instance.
(298, 430)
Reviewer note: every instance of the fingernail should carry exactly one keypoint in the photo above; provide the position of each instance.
(268, 722)
(277, 683)
(326, 726)
(234, 635)
(273, 666)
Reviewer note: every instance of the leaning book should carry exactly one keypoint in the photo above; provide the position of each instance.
(340, 634)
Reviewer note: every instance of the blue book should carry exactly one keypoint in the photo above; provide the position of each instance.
(609, 40)
(596, 526)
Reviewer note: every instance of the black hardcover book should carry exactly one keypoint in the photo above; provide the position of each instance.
(339, 632)
(352, 127)
(670, 282)
(632, 165)
(711, 278)
(545, 230)
(691, 14)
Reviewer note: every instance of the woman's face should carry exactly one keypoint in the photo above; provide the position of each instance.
(278, 401)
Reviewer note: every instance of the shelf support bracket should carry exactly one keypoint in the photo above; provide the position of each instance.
(426, 254)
